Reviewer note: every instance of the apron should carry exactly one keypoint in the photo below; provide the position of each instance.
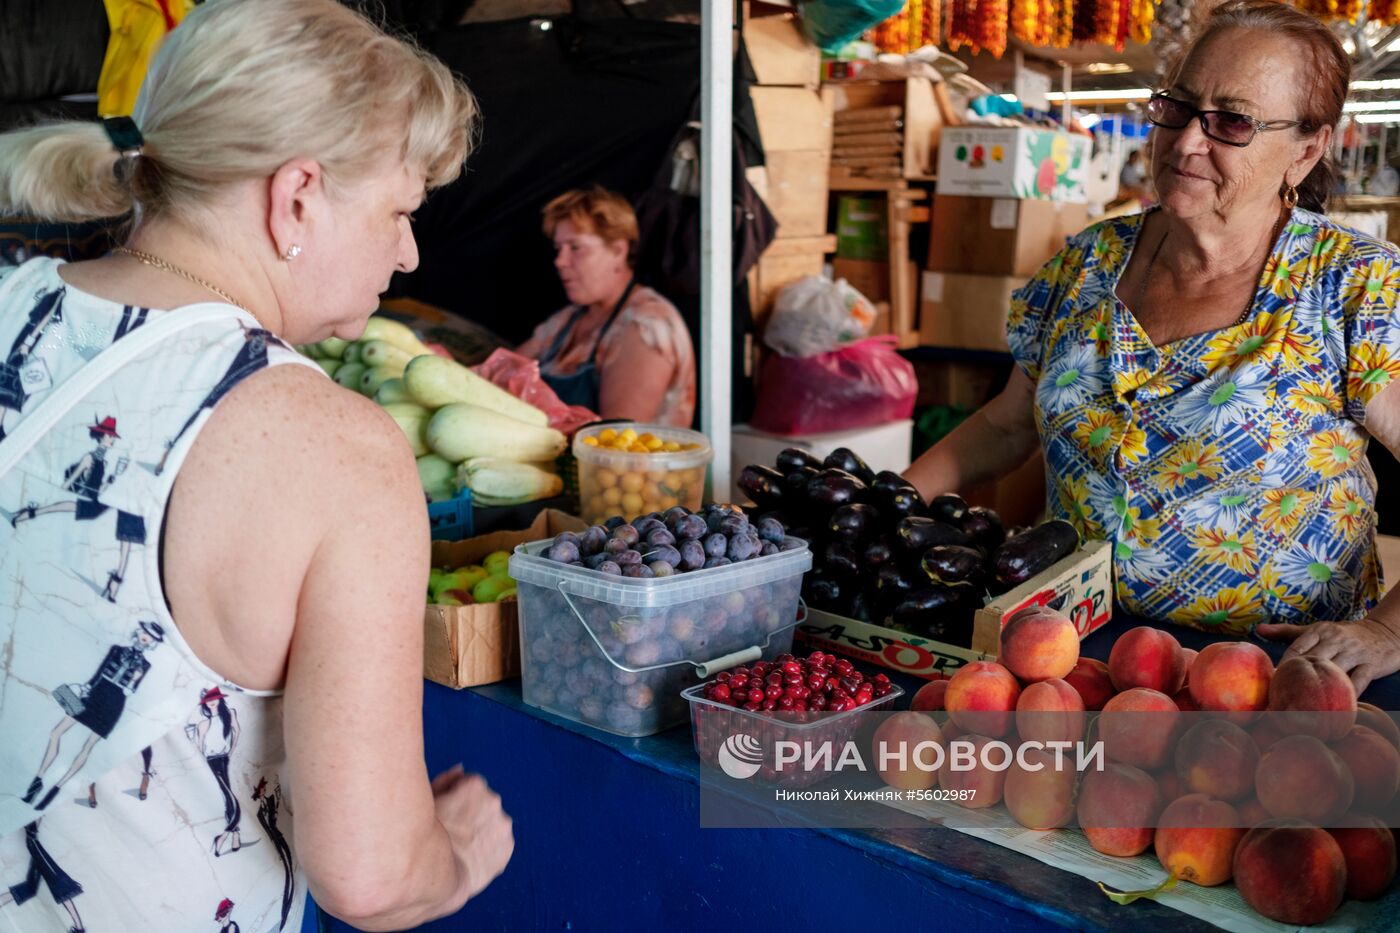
(581, 387)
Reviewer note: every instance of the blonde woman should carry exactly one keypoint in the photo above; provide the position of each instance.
(270, 167)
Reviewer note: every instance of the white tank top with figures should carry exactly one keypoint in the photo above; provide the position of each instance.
(139, 790)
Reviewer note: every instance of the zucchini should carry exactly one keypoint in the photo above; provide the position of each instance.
(349, 375)
(434, 381)
(391, 391)
(374, 377)
(413, 421)
(330, 366)
(332, 347)
(383, 354)
(494, 481)
(391, 331)
(460, 432)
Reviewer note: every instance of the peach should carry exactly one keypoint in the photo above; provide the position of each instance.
(1050, 711)
(1196, 839)
(1265, 733)
(1188, 656)
(1314, 697)
(900, 737)
(1039, 791)
(1183, 701)
(1169, 785)
(1138, 727)
(1118, 807)
(929, 699)
(981, 697)
(1291, 872)
(1217, 758)
(1090, 679)
(1373, 717)
(1252, 813)
(1301, 778)
(1039, 643)
(1374, 764)
(1146, 657)
(1369, 851)
(1231, 676)
(986, 784)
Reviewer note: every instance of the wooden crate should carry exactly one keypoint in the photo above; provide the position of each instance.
(784, 262)
(793, 183)
(870, 108)
(781, 54)
(792, 119)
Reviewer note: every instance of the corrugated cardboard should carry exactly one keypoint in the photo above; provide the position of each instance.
(780, 53)
(999, 236)
(1013, 162)
(466, 646)
(965, 311)
(1080, 586)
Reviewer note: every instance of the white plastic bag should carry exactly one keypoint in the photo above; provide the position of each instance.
(814, 315)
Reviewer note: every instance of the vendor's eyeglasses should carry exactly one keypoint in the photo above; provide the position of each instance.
(1223, 126)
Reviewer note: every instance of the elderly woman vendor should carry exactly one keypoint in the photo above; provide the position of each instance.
(619, 348)
(1204, 378)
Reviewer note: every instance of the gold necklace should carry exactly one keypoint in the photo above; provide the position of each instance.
(158, 263)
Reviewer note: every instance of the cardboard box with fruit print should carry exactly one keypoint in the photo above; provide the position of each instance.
(1013, 162)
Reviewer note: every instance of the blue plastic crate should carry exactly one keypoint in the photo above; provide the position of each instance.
(452, 519)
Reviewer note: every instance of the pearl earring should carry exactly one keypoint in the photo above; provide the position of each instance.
(292, 252)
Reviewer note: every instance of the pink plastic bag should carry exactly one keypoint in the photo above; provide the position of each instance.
(859, 384)
(520, 376)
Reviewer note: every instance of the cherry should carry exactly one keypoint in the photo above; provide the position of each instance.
(723, 677)
(816, 682)
(773, 678)
(755, 694)
(792, 667)
(753, 706)
(720, 693)
(741, 671)
(786, 702)
(773, 692)
(881, 679)
(784, 658)
(769, 705)
(844, 667)
(738, 681)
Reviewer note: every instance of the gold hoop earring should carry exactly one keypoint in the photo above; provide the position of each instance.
(1290, 197)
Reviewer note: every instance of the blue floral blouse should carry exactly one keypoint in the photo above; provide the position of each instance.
(1229, 467)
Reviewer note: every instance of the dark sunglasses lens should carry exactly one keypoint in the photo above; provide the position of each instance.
(1164, 111)
(1230, 127)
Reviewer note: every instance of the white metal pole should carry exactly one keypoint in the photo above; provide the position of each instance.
(716, 232)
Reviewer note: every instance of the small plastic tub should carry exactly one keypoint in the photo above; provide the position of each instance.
(616, 652)
(751, 737)
(619, 482)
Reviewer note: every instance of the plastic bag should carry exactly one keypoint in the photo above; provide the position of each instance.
(520, 376)
(814, 315)
(857, 385)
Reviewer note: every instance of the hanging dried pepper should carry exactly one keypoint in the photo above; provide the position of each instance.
(932, 24)
(960, 24)
(1085, 21)
(1385, 12)
(1141, 16)
(993, 16)
(914, 27)
(1067, 12)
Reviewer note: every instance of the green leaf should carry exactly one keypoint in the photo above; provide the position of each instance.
(1127, 897)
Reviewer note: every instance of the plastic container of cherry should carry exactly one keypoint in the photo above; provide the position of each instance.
(741, 714)
(610, 641)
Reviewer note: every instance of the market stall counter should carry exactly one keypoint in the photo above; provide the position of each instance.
(608, 837)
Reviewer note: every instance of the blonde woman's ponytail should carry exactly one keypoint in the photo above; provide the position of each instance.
(62, 171)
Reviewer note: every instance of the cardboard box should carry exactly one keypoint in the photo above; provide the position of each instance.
(792, 118)
(999, 236)
(1080, 586)
(780, 53)
(1013, 162)
(862, 228)
(466, 646)
(794, 186)
(966, 311)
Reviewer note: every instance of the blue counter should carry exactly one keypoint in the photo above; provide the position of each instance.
(608, 839)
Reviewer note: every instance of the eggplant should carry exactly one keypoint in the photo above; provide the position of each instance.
(831, 489)
(792, 459)
(843, 458)
(950, 565)
(763, 485)
(948, 507)
(984, 527)
(877, 554)
(888, 481)
(916, 535)
(840, 561)
(795, 484)
(900, 502)
(892, 585)
(1024, 556)
(824, 592)
(853, 523)
(862, 607)
(1016, 531)
(917, 611)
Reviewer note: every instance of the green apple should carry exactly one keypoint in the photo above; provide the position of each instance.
(463, 578)
(497, 563)
(490, 589)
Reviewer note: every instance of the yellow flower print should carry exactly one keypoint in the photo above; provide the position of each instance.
(1100, 330)
(1284, 278)
(1350, 511)
(1271, 583)
(1372, 285)
(1371, 368)
(1246, 343)
(1191, 460)
(1017, 317)
(1067, 270)
(1331, 453)
(1234, 549)
(1299, 351)
(1074, 496)
(1133, 447)
(1314, 397)
(1283, 510)
(1109, 247)
(1233, 609)
(1333, 243)
(1131, 380)
(1096, 430)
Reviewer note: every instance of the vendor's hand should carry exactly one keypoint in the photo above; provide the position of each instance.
(482, 835)
(1366, 650)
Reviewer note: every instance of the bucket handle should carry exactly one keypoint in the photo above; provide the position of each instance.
(702, 668)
